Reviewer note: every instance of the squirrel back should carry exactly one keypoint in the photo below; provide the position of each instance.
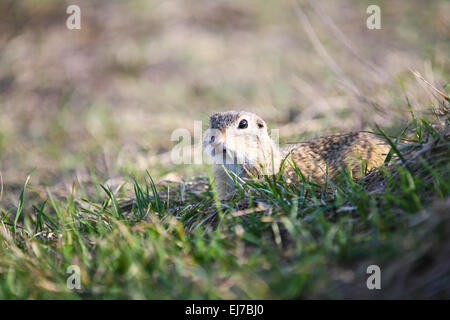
(327, 155)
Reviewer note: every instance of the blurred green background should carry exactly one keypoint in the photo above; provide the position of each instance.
(103, 101)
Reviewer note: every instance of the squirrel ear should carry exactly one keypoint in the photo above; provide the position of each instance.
(260, 123)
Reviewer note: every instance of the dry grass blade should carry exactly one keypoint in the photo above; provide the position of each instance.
(323, 53)
(259, 208)
(347, 43)
(419, 76)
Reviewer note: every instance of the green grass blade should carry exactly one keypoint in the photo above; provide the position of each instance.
(21, 199)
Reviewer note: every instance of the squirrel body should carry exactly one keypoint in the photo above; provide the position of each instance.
(239, 141)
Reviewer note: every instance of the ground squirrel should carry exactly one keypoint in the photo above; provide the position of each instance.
(240, 142)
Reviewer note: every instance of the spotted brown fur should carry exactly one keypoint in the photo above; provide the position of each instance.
(357, 152)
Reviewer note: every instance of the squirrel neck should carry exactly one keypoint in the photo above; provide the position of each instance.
(269, 159)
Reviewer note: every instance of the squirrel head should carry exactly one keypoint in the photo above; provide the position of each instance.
(238, 140)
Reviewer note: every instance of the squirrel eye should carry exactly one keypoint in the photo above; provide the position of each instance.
(243, 124)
